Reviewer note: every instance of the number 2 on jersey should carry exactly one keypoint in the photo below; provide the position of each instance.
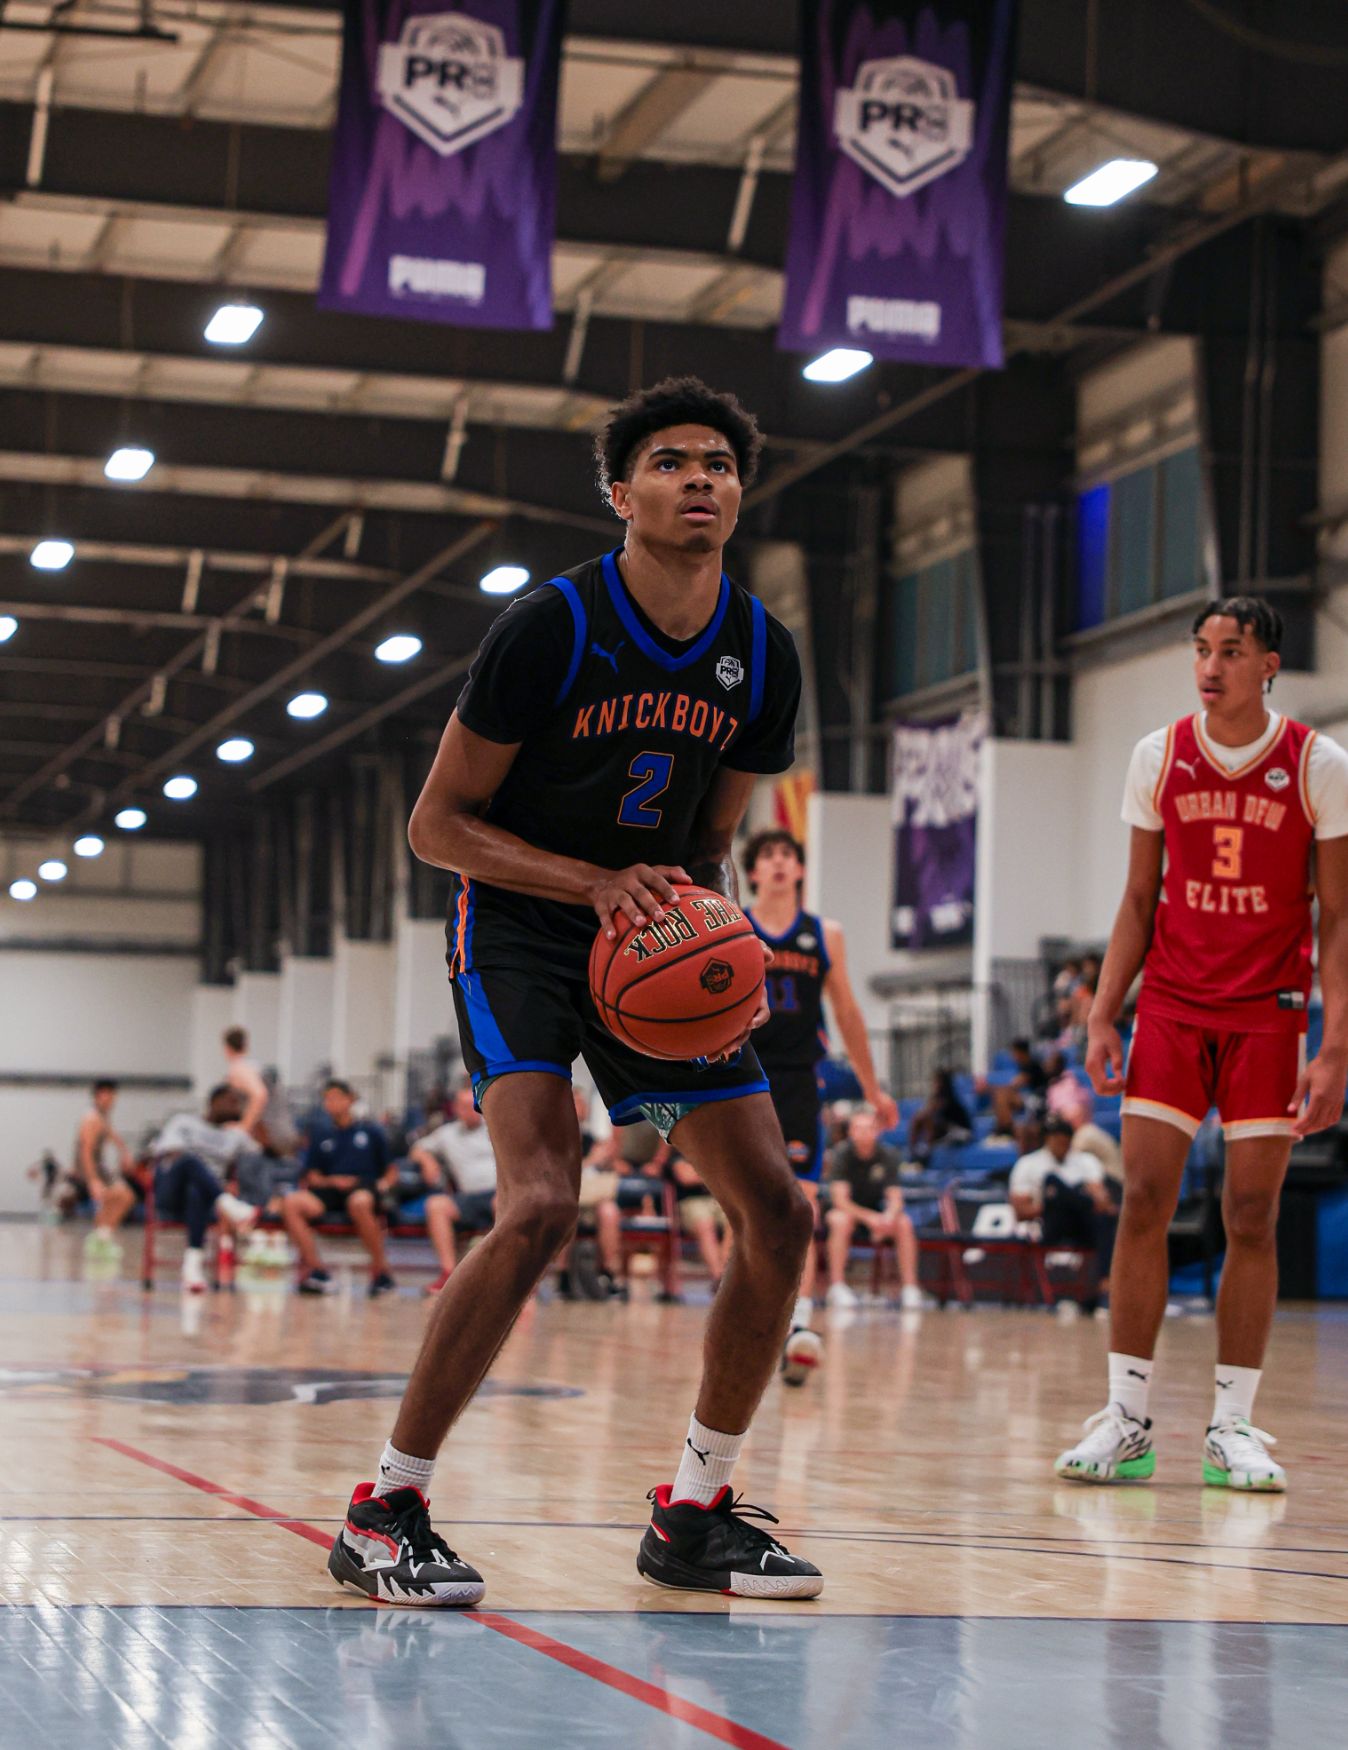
(1227, 842)
(654, 771)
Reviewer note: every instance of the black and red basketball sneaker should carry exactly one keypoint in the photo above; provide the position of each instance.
(714, 1549)
(388, 1551)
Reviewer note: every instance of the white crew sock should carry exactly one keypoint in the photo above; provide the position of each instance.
(708, 1459)
(194, 1267)
(399, 1470)
(1236, 1387)
(1129, 1383)
(237, 1213)
(800, 1319)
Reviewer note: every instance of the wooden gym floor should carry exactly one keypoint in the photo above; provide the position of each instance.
(174, 1472)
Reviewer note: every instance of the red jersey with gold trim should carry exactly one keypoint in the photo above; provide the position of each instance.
(1232, 942)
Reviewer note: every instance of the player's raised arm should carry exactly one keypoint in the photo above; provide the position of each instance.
(852, 1025)
(1128, 943)
(1322, 1083)
(447, 829)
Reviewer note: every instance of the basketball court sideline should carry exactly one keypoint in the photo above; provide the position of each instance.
(163, 1580)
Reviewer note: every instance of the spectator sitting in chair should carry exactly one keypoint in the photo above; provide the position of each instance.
(944, 1118)
(1065, 1192)
(1022, 1096)
(700, 1215)
(599, 1187)
(863, 1186)
(102, 1180)
(344, 1167)
(458, 1167)
(192, 1158)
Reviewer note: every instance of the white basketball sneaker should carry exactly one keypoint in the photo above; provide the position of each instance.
(1235, 1456)
(1117, 1449)
(802, 1354)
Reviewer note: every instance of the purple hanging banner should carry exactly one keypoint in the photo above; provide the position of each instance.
(444, 163)
(899, 207)
(935, 831)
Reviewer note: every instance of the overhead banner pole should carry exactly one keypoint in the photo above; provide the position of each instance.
(899, 206)
(443, 188)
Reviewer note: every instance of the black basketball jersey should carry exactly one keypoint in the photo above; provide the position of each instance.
(794, 1036)
(621, 729)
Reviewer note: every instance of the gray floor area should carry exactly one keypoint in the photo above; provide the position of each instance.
(267, 1679)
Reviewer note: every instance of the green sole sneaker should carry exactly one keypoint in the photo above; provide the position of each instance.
(1131, 1470)
(1214, 1477)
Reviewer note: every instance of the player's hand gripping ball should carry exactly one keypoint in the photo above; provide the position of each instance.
(682, 988)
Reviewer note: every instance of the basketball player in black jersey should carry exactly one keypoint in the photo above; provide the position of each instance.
(809, 963)
(605, 746)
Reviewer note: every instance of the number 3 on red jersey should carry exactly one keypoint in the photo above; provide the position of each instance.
(1226, 843)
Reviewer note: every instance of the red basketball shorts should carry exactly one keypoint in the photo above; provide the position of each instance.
(1178, 1073)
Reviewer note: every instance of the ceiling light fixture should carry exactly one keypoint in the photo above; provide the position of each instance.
(8, 627)
(308, 705)
(53, 869)
(401, 647)
(23, 889)
(837, 365)
(129, 819)
(129, 463)
(233, 324)
(51, 555)
(90, 845)
(234, 750)
(1110, 182)
(504, 580)
(181, 788)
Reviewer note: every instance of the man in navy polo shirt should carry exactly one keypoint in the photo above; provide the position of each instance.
(343, 1170)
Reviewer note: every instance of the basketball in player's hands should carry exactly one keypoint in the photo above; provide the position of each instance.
(682, 988)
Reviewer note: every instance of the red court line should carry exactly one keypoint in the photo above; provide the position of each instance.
(663, 1700)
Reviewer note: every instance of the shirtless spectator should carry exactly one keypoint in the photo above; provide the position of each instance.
(243, 1075)
(102, 1181)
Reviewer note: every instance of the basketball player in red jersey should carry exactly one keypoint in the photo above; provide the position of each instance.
(1247, 812)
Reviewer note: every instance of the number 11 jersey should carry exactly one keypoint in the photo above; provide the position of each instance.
(621, 731)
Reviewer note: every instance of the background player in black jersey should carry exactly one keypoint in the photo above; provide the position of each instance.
(809, 964)
(605, 746)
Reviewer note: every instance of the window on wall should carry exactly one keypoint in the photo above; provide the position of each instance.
(929, 630)
(1140, 539)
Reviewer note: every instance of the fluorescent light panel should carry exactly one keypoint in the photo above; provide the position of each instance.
(129, 463)
(838, 365)
(51, 555)
(401, 647)
(1110, 182)
(504, 580)
(233, 324)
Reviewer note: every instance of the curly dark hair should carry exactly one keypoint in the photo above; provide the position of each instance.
(1250, 612)
(675, 401)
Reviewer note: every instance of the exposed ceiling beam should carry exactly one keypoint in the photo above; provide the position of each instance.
(189, 652)
(657, 106)
(75, 614)
(178, 558)
(301, 665)
(421, 497)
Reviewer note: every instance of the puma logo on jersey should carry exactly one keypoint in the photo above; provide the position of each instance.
(608, 656)
(1189, 766)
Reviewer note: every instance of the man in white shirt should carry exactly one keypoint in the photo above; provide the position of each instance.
(458, 1166)
(1065, 1191)
(192, 1156)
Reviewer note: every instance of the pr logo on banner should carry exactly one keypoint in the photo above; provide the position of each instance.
(935, 812)
(899, 204)
(444, 166)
